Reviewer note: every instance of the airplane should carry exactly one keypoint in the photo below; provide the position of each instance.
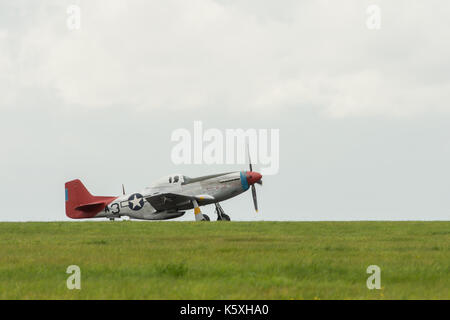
(167, 198)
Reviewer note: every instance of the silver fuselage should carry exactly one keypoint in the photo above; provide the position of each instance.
(208, 189)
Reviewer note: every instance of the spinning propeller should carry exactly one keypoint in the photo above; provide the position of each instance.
(252, 178)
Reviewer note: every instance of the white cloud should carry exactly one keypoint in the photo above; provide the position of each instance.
(196, 54)
(310, 68)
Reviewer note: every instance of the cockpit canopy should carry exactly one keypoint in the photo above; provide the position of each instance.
(173, 179)
(176, 179)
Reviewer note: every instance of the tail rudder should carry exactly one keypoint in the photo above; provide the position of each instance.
(80, 203)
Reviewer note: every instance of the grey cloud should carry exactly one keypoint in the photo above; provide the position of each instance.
(363, 115)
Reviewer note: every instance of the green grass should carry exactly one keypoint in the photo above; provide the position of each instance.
(220, 260)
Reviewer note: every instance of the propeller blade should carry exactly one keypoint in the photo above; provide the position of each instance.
(249, 159)
(255, 202)
(123, 189)
(259, 182)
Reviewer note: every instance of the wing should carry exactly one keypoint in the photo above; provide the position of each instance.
(168, 201)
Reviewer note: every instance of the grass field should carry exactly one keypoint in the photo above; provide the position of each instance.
(220, 260)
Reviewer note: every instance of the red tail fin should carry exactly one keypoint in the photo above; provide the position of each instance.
(80, 203)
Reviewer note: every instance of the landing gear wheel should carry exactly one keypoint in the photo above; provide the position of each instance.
(205, 218)
(111, 219)
(221, 216)
(224, 217)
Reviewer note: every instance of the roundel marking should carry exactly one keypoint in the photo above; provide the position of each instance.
(136, 201)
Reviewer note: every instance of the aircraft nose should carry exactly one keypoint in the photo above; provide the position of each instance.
(253, 177)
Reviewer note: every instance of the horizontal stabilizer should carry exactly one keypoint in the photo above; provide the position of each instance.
(94, 206)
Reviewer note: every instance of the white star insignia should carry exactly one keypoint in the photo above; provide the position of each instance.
(136, 202)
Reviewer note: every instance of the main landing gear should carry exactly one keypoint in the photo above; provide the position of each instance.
(221, 216)
(199, 216)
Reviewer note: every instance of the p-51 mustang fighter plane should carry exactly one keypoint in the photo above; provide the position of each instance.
(165, 199)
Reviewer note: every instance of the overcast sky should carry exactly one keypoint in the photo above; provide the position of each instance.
(363, 114)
